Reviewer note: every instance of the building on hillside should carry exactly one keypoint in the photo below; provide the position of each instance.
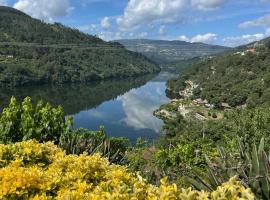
(251, 50)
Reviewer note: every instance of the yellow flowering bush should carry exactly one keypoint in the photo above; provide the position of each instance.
(29, 170)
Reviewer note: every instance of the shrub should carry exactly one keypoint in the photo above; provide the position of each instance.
(30, 170)
(42, 122)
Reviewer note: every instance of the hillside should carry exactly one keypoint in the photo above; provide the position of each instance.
(181, 65)
(240, 78)
(32, 51)
(162, 51)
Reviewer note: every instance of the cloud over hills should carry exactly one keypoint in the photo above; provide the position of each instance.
(44, 9)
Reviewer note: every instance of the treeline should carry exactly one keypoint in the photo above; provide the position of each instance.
(30, 65)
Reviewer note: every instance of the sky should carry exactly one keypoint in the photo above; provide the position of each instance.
(222, 22)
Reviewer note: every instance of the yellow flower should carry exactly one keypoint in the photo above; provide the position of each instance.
(29, 170)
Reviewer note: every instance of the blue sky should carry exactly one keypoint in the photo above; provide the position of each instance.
(224, 22)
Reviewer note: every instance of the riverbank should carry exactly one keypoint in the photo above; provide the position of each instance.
(190, 108)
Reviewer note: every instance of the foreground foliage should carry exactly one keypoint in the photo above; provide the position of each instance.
(182, 150)
(43, 122)
(84, 141)
(30, 170)
(251, 166)
(24, 121)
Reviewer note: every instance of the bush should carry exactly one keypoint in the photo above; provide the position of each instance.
(214, 115)
(42, 122)
(30, 170)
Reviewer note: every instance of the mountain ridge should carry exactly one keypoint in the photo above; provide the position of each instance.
(166, 51)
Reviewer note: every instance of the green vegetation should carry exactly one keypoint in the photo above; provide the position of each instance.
(36, 52)
(19, 122)
(179, 66)
(208, 151)
(251, 166)
(42, 122)
(181, 151)
(189, 150)
(166, 52)
(84, 141)
(235, 78)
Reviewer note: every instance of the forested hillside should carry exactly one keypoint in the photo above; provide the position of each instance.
(32, 51)
(163, 52)
(238, 78)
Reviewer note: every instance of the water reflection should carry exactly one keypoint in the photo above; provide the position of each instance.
(74, 97)
(125, 107)
(131, 114)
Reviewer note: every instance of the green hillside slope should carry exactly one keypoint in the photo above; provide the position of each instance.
(32, 51)
(237, 78)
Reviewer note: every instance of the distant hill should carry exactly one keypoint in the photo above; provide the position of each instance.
(34, 52)
(255, 44)
(162, 51)
(240, 77)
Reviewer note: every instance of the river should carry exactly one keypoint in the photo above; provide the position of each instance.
(124, 107)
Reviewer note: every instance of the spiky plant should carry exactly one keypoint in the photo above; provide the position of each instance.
(251, 166)
(82, 140)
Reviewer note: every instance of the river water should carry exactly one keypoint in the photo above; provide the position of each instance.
(124, 107)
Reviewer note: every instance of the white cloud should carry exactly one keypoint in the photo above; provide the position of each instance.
(3, 3)
(88, 28)
(44, 9)
(162, 30)
(184, 38)
(243, 39)
(109, 35)
(207, 4)
(205, 38)
(262, 21)
(208, 37)
(142, 12)
(267, 32)
(105, 23)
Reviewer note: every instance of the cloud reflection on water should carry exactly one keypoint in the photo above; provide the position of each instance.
(139, 105)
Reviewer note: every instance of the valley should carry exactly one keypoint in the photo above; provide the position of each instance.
(89, 109)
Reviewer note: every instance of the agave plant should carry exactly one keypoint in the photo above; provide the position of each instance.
(250, 166)
(82, 140)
